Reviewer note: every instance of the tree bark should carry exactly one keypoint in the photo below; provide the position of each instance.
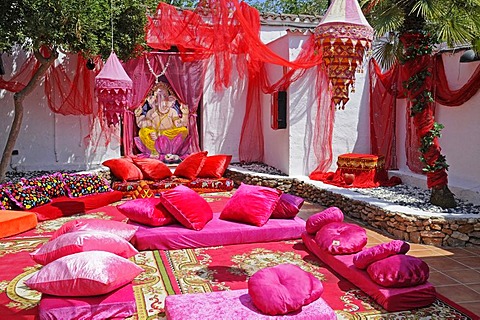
(18, 98)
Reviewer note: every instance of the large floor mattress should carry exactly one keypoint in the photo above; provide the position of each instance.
(215, 233)
(391, 299)
(235, 304)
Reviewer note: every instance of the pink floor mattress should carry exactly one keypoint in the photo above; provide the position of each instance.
(215, 233)
(391, 299)
(235, 304)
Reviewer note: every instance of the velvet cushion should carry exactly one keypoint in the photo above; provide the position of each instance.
(124, 169)
(80, 241)
(79, 185)
(121, 229)
(399, 271)
(341, 238)
(187, 207)
(148, 211)
(5, 202)
(15, 222)
(251, 204)
(287, 206)
(215, 166)
(152, 169)
(52, 184)
(365, 257)
(282, 289)
(27, 197)
(318, 220)
(84, 274)
(191, 166)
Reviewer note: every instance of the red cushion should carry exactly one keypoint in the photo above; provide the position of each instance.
(124, 169)
(121, 229)
(84, 274)
(319, 219)
(215, 166)
(148, 211)
(191, 166)
(287, 206)
(80, 241)
(282, 289)
(365, 257)
(399, 271)
(251, 204)
(153, 169)
(187, 207)
(341, 238)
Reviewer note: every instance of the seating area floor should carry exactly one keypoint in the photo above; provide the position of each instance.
(455, 272)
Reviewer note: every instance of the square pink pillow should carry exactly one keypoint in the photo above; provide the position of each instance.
(187, 207)
(251, 204)
(399, 271)
(341, 238)
(153, 169)
(148, 211)
(365, 257)
(282, 289)
(215, 166)
(121, 229)
(319, 219)
(287, 206)
(81, 241)
(84, 274)
(191, 166)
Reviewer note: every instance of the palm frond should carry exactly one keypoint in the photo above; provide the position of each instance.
(387, 50)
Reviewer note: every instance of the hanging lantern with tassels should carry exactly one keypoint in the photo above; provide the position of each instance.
(114, 89)
(343, 36)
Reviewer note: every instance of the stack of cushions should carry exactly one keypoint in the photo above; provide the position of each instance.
(82, 259)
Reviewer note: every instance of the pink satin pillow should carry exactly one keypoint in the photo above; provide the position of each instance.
(282, 289)
(399, 271)
(187, 207)
(124, 169)
(148, 211)
(153, 169)
(121, 229)
(287, 206)
(84, 274)
(318, 220)
(215, 166)
(191, 166)
(81, 241)
(251, 204)
(365, 257)
(341, 238)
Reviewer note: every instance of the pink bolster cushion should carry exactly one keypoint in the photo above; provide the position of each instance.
(365, 257)
(341, 238)
(318, 220)
(282, 289)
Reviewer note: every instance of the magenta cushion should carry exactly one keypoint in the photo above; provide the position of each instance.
(341, 238)
(287, 206)
(365, 257)
(318, 220)
(80, 241)
(187, 207)
(251, 204)
(84, 274)
(399, 271)
(148, 211)
(121, 229)
(282, 289)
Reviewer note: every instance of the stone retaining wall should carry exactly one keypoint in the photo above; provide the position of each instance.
(439, 231)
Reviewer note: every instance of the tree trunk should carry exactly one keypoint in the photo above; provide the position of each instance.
(18, 98)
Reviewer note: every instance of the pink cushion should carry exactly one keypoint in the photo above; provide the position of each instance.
(287, 206)
(318, 220)
(215, 166)
(187, 207)
(121, 229)
(251, 204)
(148, 211)
(153, 169)
(283, 289)
(341, 238)
(80, 241)
(191, 166)
(84, 274)
(399, 271)
(367, 256)
(124, 169)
